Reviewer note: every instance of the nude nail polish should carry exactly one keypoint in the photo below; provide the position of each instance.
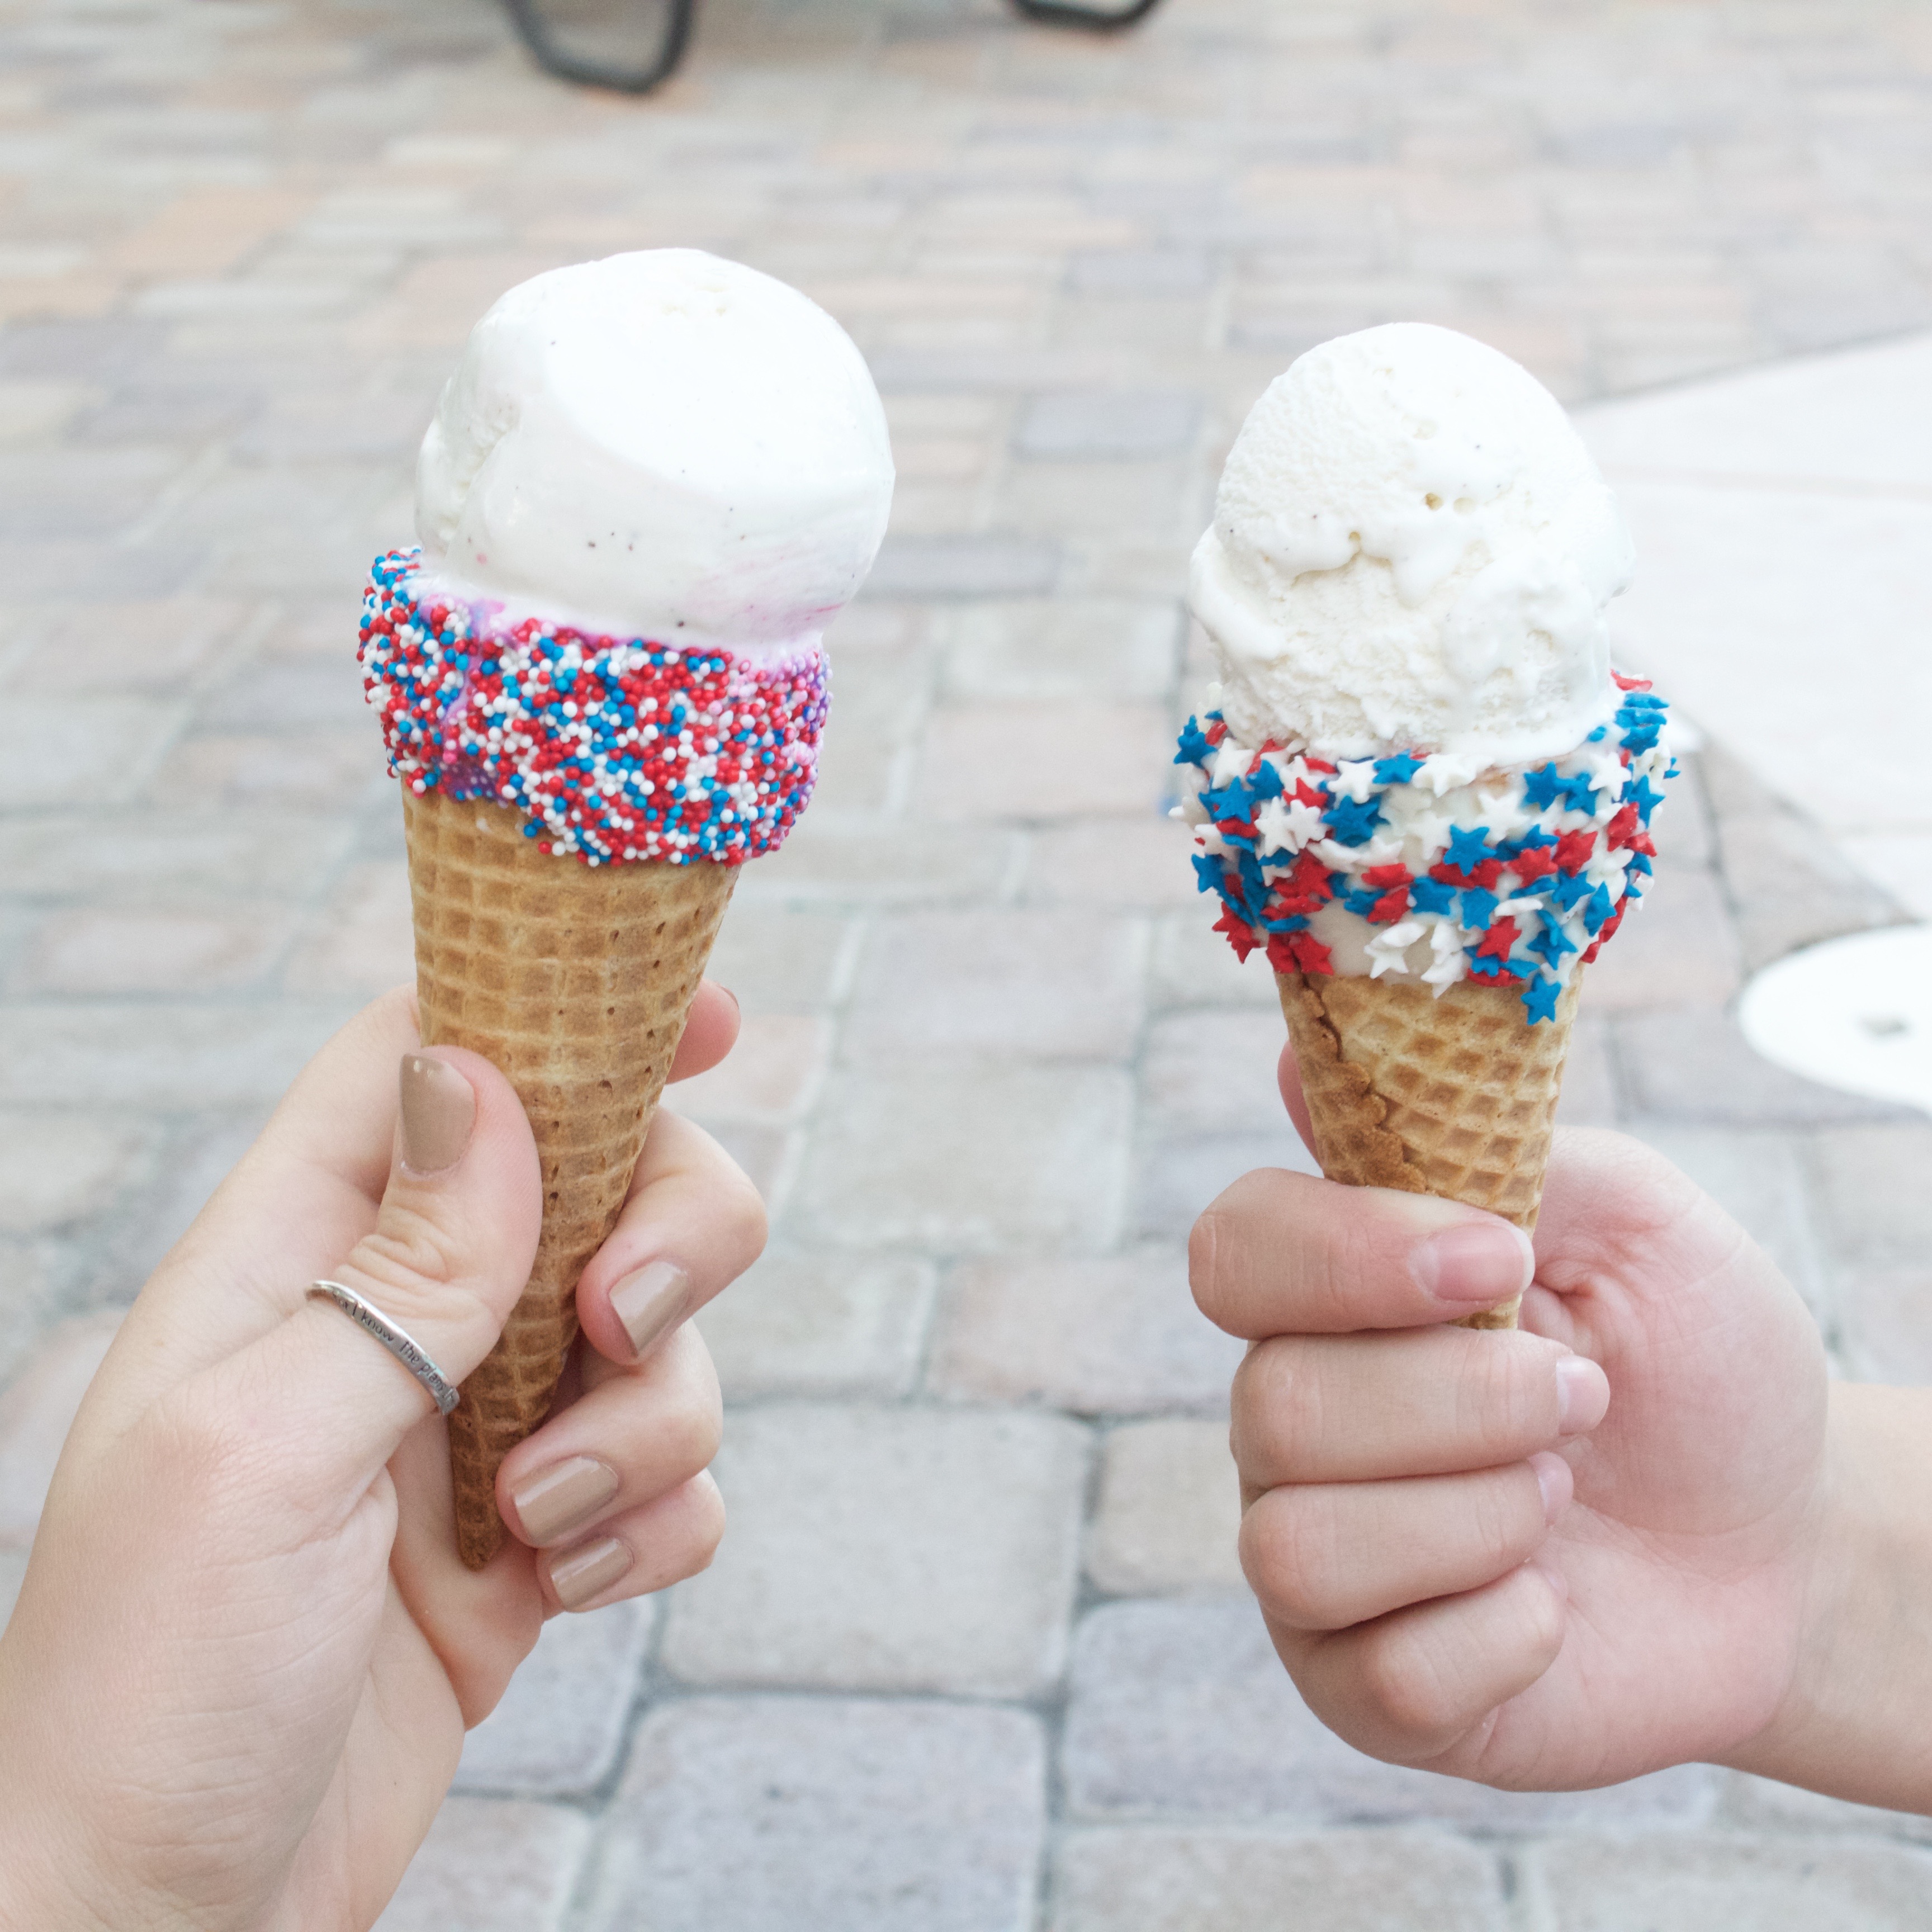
(588, 1572)
(439, 1112)
(564, 1497)
(651, 1302)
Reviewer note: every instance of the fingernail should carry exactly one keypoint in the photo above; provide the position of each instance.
(588, 1572)
(731, 996)
(1583, 1395)
(556, 1501)
(438, 1112)
(1477, 1263)
(1554, 1482)
(651, 1302)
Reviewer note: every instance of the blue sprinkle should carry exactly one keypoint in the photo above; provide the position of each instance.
(1353, 821)
(1540, 997)
(1566, 888)
(1397, 770)
(1479, 907)
(1543, 788)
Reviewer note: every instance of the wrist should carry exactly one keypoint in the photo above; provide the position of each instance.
(48, 1883)
(1851, 1723)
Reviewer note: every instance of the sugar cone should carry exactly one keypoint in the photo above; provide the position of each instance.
(1455, 1096)
(576, 982)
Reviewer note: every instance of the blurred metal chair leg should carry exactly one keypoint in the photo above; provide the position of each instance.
(1066, 13)
(555, 59)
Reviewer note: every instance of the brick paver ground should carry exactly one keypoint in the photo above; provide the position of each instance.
(974, 1656)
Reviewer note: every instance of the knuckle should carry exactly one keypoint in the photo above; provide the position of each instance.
(205, 1442)
(1504, 1394)
(707, 1525)
(689, 1431)
(1204, 1241)
(1346, 1257)
(1277, 1410)
(409, 1251)
(748, 1224)
(1403, 1686)
(1288, 1548)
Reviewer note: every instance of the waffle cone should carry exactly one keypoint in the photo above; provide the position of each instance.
(576, 983)
(1454, 1095)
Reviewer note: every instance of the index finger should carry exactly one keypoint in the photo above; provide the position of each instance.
(1285, 1254)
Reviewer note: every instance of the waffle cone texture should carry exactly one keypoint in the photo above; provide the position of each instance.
(1454, 1095)
(575, 981)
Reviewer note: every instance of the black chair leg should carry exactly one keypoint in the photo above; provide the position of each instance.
(1066, 13)
(553, 59)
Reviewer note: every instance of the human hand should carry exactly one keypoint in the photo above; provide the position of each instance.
(1544, 1559)
(235, 1688)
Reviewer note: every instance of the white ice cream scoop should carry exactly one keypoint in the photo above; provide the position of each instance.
(663, 445)
(1412, 549)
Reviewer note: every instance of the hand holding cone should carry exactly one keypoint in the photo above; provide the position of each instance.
(1454, 1096)
(577, 984)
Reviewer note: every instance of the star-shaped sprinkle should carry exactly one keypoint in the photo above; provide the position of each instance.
(1194, 745)
(1311, 955)
(1355, 778)
(1305, 824)
(1207, 872)
(1353, 821)
(1492, 969)
(1230, 766)
(1533, 862)
(1543, 788)
(1597, 909)
(1479, 907)
(1469, 846)
(1397, 770)
(1540, 997)
(1240, 935)
(1432, 896)
(1646, 798)
(1552, 943)
(1566, 888)
(1499, 941)
(1579, 793)
(1263, 781)
(1574, 850)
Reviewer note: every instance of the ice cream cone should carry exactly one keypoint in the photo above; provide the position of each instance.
(1454, 1095)
(576, 982)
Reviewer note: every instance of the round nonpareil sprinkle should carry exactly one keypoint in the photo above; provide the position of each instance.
(617, 750)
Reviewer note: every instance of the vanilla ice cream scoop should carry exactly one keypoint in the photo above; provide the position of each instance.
(662, 445)
(1412, 550)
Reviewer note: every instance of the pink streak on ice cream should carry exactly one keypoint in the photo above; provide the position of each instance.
(662, 445)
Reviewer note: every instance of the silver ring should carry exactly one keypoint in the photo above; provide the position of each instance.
(371, 1320)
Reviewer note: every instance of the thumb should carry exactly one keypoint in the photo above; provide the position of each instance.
(449, 1254)
(1287, 1076)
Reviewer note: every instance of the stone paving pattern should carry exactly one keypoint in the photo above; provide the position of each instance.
(975, 1657)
